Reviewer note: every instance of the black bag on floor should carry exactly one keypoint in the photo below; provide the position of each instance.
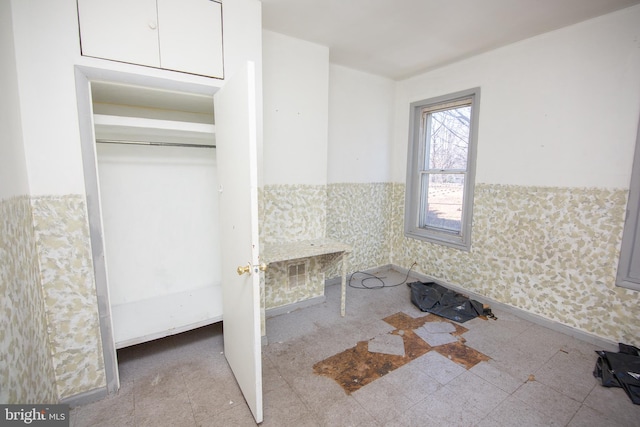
(620, 369)
(434, 298)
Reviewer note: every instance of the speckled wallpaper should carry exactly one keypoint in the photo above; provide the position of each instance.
(26, 369)
(293, 212)
(64, 251)
(358, 214)
(550, 251)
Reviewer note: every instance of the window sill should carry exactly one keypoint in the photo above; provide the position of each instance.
(439, 239)
(628, 285)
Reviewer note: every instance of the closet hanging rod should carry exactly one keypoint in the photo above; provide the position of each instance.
(159, 144)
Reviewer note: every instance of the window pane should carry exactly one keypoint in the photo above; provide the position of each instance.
(442, 196)
(448, 132)
(293, 270)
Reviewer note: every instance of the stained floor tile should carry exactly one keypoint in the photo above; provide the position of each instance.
(461, 354)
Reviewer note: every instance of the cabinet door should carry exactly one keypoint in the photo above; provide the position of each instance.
(190, 34)
(121, 30)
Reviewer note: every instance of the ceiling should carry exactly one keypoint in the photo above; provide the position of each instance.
(403, 38)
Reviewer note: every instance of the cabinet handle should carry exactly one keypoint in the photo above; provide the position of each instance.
(153, 25)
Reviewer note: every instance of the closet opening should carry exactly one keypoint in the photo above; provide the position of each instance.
(153, 213)
(157, 175)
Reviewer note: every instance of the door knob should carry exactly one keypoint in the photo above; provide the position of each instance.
(243, 269)
(247, 268)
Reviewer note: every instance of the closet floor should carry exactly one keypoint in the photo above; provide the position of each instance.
(526, 375)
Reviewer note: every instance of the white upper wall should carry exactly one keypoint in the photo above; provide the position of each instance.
(47, 50)
(242, 26)
(560, 109)
(44, 60)
(296, 88)
(360, 126)
(13, 168)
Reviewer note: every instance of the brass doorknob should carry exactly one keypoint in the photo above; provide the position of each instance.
(247, 268)
(243, 269)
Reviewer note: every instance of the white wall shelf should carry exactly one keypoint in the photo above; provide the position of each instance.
(121, 128)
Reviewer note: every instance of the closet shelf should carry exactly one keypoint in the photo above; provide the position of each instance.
(108, 127)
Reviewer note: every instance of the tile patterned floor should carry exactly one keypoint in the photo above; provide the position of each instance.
(535, 376)
(358, 366)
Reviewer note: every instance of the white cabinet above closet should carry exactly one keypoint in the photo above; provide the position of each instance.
(178, 35)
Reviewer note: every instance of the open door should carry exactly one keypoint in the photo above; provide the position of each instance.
(236, 145)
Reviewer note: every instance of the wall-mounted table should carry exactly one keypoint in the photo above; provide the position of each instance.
(279, 252)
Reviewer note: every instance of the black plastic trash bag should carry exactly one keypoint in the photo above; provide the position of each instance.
(434, 298)
(620, 369)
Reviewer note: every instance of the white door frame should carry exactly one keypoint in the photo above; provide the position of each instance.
(84, 75)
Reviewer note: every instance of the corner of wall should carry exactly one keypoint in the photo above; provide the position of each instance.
(27, 372)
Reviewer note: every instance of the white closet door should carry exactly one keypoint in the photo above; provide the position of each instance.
(191, 36)
(236, 140)
(122, 30)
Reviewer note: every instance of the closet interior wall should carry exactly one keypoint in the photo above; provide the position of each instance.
(157, 176)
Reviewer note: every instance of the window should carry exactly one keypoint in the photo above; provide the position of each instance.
(441, 168)
(629, 265)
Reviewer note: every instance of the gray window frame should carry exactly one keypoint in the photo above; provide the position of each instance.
(628, 275)
(413, 200)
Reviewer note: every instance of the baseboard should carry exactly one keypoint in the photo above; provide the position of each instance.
(284, 309)
(554, 325)
(85, 397)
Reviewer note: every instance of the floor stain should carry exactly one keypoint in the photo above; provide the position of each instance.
(356, 367)
(461, 354)
(404, 321)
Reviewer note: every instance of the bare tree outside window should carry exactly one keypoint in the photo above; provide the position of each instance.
(446, 133)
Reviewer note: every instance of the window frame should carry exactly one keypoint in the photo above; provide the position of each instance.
(630, 244)
(417, 144)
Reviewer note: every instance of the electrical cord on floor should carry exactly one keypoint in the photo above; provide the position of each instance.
(380, 280)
